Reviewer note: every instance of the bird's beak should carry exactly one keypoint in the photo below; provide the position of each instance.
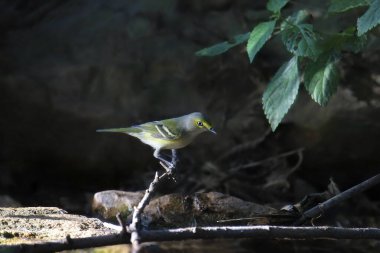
(212, 130)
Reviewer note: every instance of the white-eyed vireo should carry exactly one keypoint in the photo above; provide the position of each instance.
(171, 134)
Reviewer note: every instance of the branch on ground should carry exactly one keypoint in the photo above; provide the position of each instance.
(337, 199)
(227, 232)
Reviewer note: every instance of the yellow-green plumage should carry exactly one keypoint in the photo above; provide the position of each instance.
(172, 133)
(168, 134)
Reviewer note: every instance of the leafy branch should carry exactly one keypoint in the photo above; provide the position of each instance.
(315, 55)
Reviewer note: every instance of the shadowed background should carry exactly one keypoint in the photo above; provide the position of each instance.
(68, 68)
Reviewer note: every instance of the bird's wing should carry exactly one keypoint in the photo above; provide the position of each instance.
(165, 129)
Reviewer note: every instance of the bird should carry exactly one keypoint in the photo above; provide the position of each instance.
(173, 134)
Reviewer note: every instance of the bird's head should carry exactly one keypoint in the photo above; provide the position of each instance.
(197, 122)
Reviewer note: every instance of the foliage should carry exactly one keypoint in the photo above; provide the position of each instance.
(370, 19)
(315, 55)
(344, 5)
(281, 92)
(321, 78)
(220, 48)
(260, 34)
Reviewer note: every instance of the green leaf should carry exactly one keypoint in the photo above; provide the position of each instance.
(259, 35)
(370, 18)
(300, 39)
(276, 5)
(220, 48)
(281, 92)
(345, 5)
(321, 79)
(346, 40)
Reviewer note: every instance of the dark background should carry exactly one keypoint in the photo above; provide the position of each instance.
(70, 67)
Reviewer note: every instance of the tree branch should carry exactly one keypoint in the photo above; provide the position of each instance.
(260, 232)
(135, 226)
(328, 204)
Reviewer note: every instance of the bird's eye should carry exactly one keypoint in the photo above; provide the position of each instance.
(199, 123)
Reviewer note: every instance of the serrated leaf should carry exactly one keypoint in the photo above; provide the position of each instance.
(300, 39)
(259, 35)
(220, 48)
(345, 5)
(370, 18)
(321, 79)
(281, 92)
(276, 5)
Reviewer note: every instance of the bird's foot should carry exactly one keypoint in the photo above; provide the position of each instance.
(169, 167)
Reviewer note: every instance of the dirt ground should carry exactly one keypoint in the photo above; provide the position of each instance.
(36, 224)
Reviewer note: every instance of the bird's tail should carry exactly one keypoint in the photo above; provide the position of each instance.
(125, 130)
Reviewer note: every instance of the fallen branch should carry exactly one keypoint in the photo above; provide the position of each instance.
(328, 204)
(260, 232)
(256, 232)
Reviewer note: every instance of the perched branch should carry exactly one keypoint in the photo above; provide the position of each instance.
(135, 226)
(257, 232)
(328, 204)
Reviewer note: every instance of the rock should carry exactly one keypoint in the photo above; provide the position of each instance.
(212, 208)
(37, 224)
(108, 203)
(175, 210)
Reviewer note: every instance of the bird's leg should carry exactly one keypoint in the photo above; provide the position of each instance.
(165, 163)
(174, 157)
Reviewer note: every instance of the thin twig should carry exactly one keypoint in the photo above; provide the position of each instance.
(275, 157)
(257, 232)
(256, 216)
(242, 147)
(231, 172)
(337, 199)
(135, 226)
